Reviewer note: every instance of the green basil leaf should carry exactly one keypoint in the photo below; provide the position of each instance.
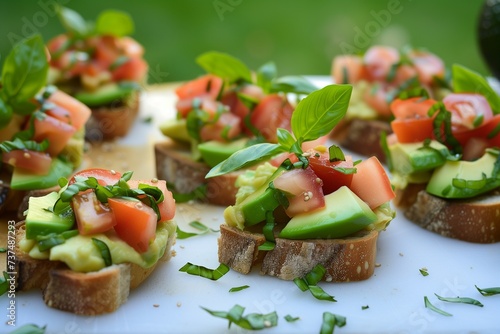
(4, 283)
(48, 241)
(318, 113)
(253, 321)
(293, 84)
(239, 288)
(185, 235)
(467, 81)
(5, 113)
(225, 66)
(212, 274)
(289, 318)
(320, 294)
(315, 275)
(198, 193)
(25, 71)
(74, 22)
(462, 300)
(202, 227)
(29, 329)
(434, 308)
(265, 76)
(104, 250)
(114, 22)
(245, 157)
(365, 307)
(488, 291)
(424, 271)
(330, 320)
(285, 139)
(18, 144)
(335, 153)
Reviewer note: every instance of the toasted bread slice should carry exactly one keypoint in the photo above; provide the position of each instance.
(475, 220)
(90, 293)
(347, 259)
(174, 163)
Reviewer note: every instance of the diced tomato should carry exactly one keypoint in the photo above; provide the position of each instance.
(404, 73)
(376, 97)
(465, 108)
(474, 149)
(167, 207)
(330, 172)
(227, 127)
(272, 112)
(412, 123)
(131, 47)
(106, 50)
(236, 106)
(427, 66)
(371, 183)
(57, 44)
(104, 176)
(134, 69)
(135, 222)
(379, 61)
(91, 215)
(348, 69)
(304, 190)
(36, 162)
(207, 85)
(483, 131)
(77, 112)
(55, 131)
(73, 63)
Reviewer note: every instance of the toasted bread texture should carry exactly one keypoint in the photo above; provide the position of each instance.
(474, 220)
(174, 163)
(90, 293)
(347, 259)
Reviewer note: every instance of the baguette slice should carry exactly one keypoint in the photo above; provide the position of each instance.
(348, 259)
(174, 163)
(474, 220)
(362, 136)
(114, 121)
(91, 293)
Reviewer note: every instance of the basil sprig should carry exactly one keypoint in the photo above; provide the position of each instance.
(310, 281)
(315, 116)
(253, 321)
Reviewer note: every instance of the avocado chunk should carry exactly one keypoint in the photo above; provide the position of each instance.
(176, 129)
(42, 221)
(344, 213)
(25, 180)
(415, 158)
(107, 94)
(213, 152)
(465, 179)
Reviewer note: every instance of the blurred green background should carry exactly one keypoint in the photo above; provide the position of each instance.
(301, 37)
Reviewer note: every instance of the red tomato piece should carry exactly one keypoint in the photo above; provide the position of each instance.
(376, 98)
(371, 183)
(67, 107)
(427, 66)
(135, 222)
(329, 172)
(131, 47)
(36, 162)
(412, 123)
(167, 207)
(104, 176)
(379, 61)
(91, 215)
(134, 69)
(272, 112)
(207, 85)
(227, 127)
(55, 131)
(483, 131)
(348, 69)
(465, 108)
(106, 50)
(304, 190)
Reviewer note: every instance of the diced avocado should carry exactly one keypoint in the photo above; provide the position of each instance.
(24, 180)
(73, 151)
(410, 158)
(252, 210)
(176, 129)
(344, 213)
(106, 94)
(213, 152)
(464, 179)
(41, 221)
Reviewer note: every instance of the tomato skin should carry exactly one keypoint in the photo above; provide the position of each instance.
(303, 188)
(135, 222)
(379, 60)
(55, 131)
(167, 207)
(427, 66)
(36, 162)
(272, 112)
(130, 47)
(325, 170)
(376, 98)
(350, 65)
(482, 132)
(91, 215)
(227, 127)
(77, 112)
(465, 107)
(412, 122)
(371, 183)
(206, 85)
(134, 69)
(104, 176)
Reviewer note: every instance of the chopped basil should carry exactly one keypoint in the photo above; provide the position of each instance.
(488, 291)
(48, 241)
(463, 300)
(309, 281)
(239, 288)
(204, 229)
(104, 250)
(3, 250)
(335, 153)
(29, 329)
(385, 148)
(365, 307)
(330, 320)
(424, 271)
(434, 308)
(199, 226)
(253, 321)
(4, 283)
(442, 127)
(19, 144)
(198, 193)
(289, 318)
(268, 231)
(212, 274)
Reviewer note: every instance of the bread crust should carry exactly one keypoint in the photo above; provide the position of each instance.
(90, 293)
(174, 164)
(347, 259)
(474, 220)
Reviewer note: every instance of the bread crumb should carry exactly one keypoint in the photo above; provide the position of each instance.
(181, 246)
(401, 254)
(378, 265)
(156, 305)
(179, 304)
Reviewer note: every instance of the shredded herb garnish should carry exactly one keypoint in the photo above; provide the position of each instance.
(212, 274)
(3, 250)
(385, 148)
(196, 224)
(29, 329)
(434, 308)
(309, 283)
(104, 250)
(463, 300)
(239, 288)
(335, 153)
(289, 318)
(253, 321)
(48, 241)
(365, 307)
(424, 271)
(488, 291)
(4, 283)
(330, 320)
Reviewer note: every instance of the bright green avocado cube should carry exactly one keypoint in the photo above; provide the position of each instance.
(176, 129)
(214, 152)
(344, 214)
(25, 180)
(410, 158)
